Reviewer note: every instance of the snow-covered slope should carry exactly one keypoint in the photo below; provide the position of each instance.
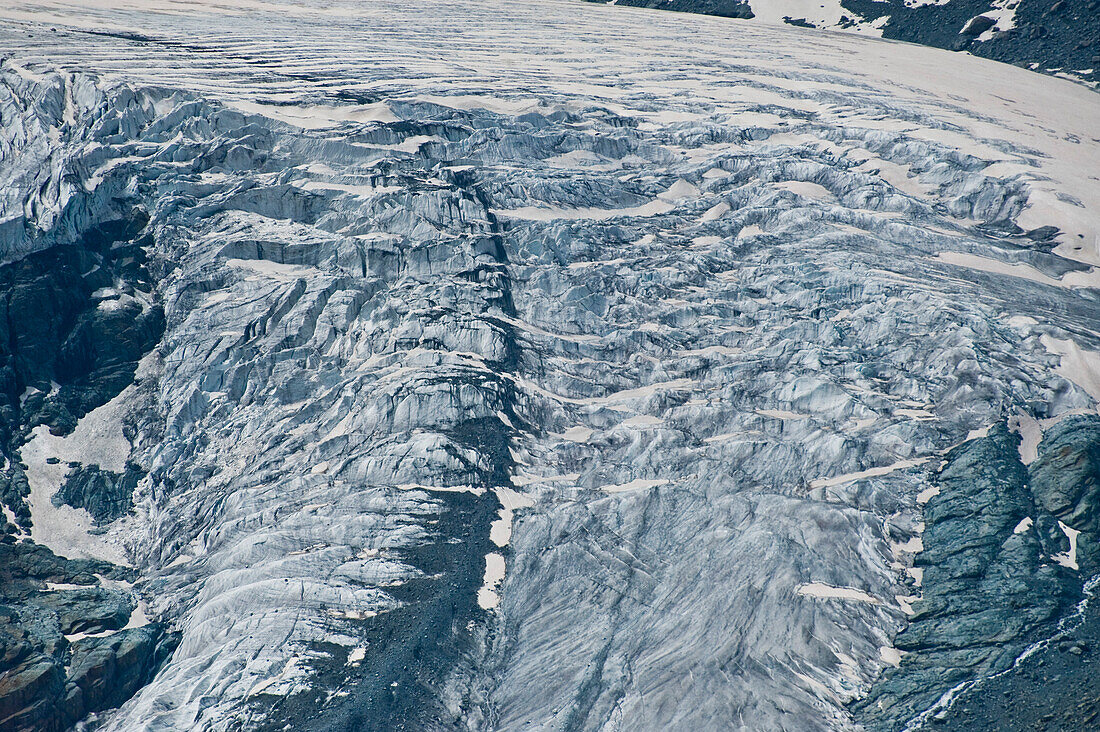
(1056, 37)
(543, 365)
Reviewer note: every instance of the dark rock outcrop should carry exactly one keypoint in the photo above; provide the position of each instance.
(1003, 568)
(798, 22)
(721, 8)
(102, 493)
(1065, 480)
(49, 692)
(977, 25)
(47, 682)
(78, 317)
(106, 671)
(91, 610)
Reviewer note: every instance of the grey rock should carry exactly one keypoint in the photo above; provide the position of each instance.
(108, 670)
(721, 8)
(104, 494)
(991, 585)
(977, 25)
(87, 611)
(27, 693)
(1065, 480)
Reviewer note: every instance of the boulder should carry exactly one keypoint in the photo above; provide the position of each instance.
(977, 25)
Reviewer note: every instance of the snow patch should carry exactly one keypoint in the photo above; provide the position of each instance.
(500, 531)
(1078, 365)
(317, 117)
(1071, 280)
(635, 485)
(1068, 559)
(869, 473)
(890, 655)
(97, 440)
(822, 591)
(487, 597)
(781, 414)
(1031, 432)
(579, 433)
(927, 494)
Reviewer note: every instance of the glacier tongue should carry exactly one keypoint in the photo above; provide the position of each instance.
(670, 298)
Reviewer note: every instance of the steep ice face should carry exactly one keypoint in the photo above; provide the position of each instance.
(541, 365)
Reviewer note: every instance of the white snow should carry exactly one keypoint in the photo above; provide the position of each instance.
(500, 531)
(905, 602)
(579, 433)
(1024, 525)
(575, 338)
(978, 433)
(781, 414)
(635, 485)
(927, 494)
(274, 270)
(1078, 365)
(546, 212)
(1068, 559)
(1003, 12)
(823, 591)
(806, 189)
(917, 414)
(640, 392)
(363, 190)
(679, 191)
(897, 175)
(914, 545)
(642, 421)
(715, 212)
(318, 116)
(1031, 432)
(487, 597)
(869, 473)
(890, 655)
(476, 490)
(10, 517)
(139, 618)
(97, 440)
(822, 13)
(92, 182)
(1075, 279)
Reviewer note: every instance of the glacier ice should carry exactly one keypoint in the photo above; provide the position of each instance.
(672, 318)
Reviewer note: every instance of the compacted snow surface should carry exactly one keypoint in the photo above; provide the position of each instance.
(542, 365)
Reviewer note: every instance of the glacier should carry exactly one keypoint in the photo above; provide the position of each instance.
(540, 365)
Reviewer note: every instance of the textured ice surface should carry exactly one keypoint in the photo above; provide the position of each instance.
(666, 318)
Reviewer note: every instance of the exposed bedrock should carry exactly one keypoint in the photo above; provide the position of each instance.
(1007, 550)
(70, 644)
(721, 8)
